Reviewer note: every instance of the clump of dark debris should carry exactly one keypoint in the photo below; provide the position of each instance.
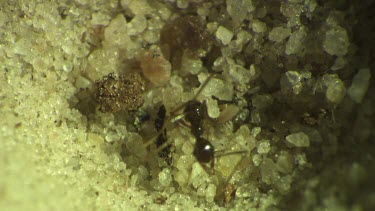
(116, 93)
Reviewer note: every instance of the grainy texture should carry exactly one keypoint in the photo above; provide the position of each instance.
(117, 93)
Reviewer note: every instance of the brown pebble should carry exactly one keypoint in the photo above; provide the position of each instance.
(187, 32)
(155, 67)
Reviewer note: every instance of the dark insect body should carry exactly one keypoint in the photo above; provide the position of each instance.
(193, 114)
(161, 141)
(204, 151)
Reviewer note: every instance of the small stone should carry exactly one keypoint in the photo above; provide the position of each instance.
(112, 136)
(140, 7)
(238, 9)
(204, 9)
(283, 185)
(360, 84)
(103, 62)
(285, 162)
(243, 134)
(212, 108)
(187, 148)
(290, 10)
(220, 63)
(224, 35)
(164, 12)
(240, 74)
(254, 72)
(241, 118)
(188, 33)
(82, 82)
(210, 192)
(279, 34)
(311, 5)
(262, 101)
(258, 26)
(357, 173)
(268, 171)
(185, 161)
(226, 164)
(22, 47)
(264, 147)
(340, 63)
(261, 12)
(201, 190)
(294, 77)
(150, 36)
(198, 175)
(155, 67)
(116, 33)
(212, 27)
(182, 4)
(256, 131)
(143, 173)
(292, 80)
(229, 111)
(181, 177)
(247, 190)
(100, 18)
(301, 160)
(257, 158)
(256, 116)
(336, 41)
(295, 1)
(217, 87)
(137, 25)
(299, 139)
(134, 144)
(335, 88)
(190, 65)
(296, 43)
(243, 36)
(165, 177)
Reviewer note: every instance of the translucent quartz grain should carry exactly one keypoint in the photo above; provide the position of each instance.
(210, 192)
(165, 177)
(238, 9)
(218, 88)
(335, 88)
(182, 4)
(115, 33)
(279, 34)
(292, 80)
(141, 7)
(340, 63)
(360, 84)
(285, 162)
(256, 159)
(264, 147)
(258, 26)
(137, 25)
(224, 35)
(100, 18)
(295, 43)
(212, 108)
(190, 65)
(268, 171)
(262, 101)
(336, 41)
(299, 139)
